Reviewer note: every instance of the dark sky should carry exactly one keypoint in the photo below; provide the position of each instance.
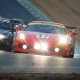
(12, 9)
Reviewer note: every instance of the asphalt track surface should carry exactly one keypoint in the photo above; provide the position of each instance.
(11, 62)
(37, 63)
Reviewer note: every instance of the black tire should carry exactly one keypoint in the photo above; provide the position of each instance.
(71, 54)
(9, 47)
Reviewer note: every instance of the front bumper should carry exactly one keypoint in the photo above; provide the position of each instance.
(63, 50)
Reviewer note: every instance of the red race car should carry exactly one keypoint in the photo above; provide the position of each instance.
(45, 37)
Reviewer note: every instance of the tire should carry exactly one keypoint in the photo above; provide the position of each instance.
(9, 47)
(20, 52)
(71, 54)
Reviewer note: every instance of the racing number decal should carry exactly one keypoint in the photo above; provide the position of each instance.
(42, 36)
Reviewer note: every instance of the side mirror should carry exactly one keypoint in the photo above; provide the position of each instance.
(18, 27)
(72, 33)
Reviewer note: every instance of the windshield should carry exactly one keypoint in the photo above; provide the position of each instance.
(5, 25)
(46, 29)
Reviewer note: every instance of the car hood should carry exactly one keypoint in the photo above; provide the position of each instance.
(41, 37)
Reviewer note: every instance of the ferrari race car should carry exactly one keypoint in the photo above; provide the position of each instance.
(45, 37)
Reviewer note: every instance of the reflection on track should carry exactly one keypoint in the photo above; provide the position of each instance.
(22, 62)
(36, 62)
(77, 56)
(77, 49)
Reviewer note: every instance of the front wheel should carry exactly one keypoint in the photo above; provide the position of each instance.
(9, 45)
(71, 54)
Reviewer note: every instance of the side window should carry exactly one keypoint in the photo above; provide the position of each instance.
(7, 26)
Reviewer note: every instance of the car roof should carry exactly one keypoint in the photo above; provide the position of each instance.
(46, 23)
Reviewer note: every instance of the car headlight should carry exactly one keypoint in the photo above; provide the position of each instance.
(37, 46)
(44, 46)
(41, 46)
(21, 36)
(2, 36)
(57, 49)
(65, 40)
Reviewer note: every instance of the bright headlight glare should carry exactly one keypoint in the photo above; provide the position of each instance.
(56, 49)
(44, 46)
(63, 40)
(2, 36)
(24, 46)
(37, 46)
(21, 36)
